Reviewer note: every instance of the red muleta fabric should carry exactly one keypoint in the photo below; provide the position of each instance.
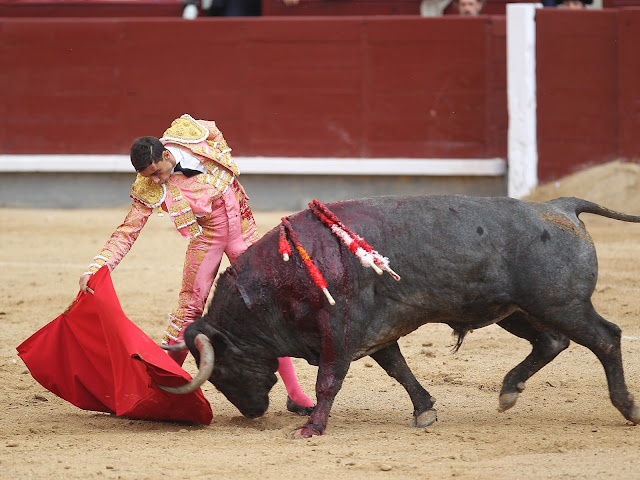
(94, 357)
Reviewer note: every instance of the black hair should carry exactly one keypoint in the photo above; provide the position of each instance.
(144, 151)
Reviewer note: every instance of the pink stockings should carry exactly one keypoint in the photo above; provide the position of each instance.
(288, 375)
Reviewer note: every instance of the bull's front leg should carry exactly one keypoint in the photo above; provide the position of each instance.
(333, 366)
(329, 382)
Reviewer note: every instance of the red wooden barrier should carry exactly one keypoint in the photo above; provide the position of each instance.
(577, 98)
(91, 8)
(383, 86)
(588, 90)
(320, 87)
(628, 122)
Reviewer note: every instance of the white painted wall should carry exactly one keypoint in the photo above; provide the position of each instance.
(271, 165)
(522, 150)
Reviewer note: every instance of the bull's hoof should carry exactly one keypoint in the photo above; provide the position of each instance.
(635, 414)
(425, 419)
(507, 400)
(299, 409)
(303, 432)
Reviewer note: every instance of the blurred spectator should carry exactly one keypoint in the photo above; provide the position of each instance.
(468, 7)
(573, 4)
(433, 8)
(232, 8)
(568, 4)
(190, 11)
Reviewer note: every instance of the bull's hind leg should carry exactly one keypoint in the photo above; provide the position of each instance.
(392, 361)
(585, 326)
(546, 343)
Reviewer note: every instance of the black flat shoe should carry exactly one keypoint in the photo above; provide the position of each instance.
(299, 409)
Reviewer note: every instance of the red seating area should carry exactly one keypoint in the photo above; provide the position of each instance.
(91, 8)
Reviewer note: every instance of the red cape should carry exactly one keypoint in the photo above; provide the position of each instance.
(95, 358)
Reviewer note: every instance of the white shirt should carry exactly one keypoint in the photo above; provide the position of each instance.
(185, 159)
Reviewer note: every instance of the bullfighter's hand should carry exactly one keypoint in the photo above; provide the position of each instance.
(84, 282)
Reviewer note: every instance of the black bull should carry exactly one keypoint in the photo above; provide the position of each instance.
(466, 262)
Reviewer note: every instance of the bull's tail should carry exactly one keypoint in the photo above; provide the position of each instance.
(578, 206)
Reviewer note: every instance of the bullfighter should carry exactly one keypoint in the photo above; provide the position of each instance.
(190, 174)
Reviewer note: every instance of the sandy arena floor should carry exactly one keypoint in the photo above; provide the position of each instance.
(563, 426)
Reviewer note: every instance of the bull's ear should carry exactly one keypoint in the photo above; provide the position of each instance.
(220, 342)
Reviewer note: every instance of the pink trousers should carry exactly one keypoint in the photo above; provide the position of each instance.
(221, 234)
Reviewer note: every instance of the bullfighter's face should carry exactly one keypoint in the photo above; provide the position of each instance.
(159, 172)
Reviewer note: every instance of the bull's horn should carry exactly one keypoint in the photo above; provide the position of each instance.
(174, 347)
(206, 367)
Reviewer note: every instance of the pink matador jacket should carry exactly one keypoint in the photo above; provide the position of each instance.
(183, 198)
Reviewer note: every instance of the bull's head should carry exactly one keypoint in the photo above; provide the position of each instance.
(242, 378)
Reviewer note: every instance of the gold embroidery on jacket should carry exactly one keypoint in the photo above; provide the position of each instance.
(147, 192)
(181, 213)
(186, 130)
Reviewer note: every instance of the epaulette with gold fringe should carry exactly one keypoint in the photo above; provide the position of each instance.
(147, 192)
